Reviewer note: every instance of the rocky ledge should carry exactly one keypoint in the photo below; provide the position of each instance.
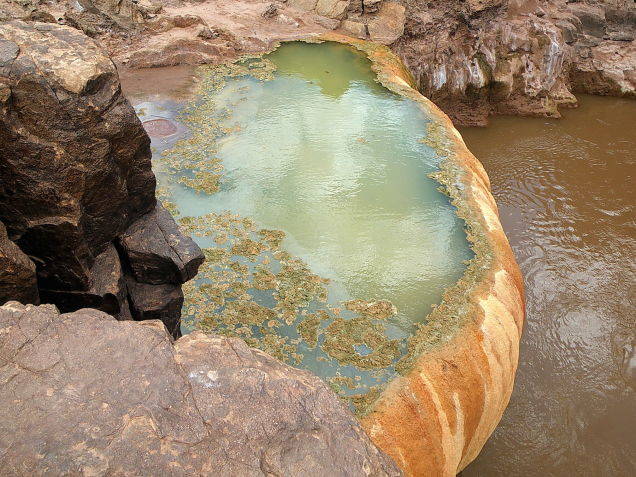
(77, 195)
(473, 58)
(81, 393)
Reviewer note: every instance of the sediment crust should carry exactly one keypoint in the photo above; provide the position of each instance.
(459, 374)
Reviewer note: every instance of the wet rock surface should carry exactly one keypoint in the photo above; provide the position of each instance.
(83, 393)
(76, 179)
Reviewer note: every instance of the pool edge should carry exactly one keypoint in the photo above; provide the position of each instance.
(435, 419)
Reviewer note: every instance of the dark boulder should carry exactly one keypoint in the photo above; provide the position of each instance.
(156, 302)
(157, 252)
(83, 394)
(74, 160)
(17, 273)
(107, 291)
(77, 179)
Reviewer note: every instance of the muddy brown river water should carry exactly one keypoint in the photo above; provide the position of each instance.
(566, 196)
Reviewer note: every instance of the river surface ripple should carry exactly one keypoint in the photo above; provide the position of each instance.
(566, 195)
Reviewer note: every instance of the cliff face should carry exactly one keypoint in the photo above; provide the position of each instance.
(76, 177)
(481, 57)
(474, 59)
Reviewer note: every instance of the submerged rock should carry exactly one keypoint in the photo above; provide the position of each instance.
(84, 394)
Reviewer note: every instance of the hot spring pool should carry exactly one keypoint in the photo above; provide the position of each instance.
(307, 185)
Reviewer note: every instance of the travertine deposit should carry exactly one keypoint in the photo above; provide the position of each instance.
(435, 419)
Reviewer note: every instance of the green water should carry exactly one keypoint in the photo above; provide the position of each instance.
(325, 154)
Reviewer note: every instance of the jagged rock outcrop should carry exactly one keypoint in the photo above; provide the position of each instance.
(77, 179)
(75, 161)
(474, 59)
(17, 272)
(157, 252)
(81, 393)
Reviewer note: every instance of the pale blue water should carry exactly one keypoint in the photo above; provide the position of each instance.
(336, 161)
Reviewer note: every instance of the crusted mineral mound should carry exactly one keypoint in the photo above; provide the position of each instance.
(76, 176)
(84, 394)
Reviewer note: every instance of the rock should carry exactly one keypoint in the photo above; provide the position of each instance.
(388, 25)
(620, 36)
(40, 16)
(270, 12)
(370, 6)
(206, 33)
(592, 18)
(92, 24)
(17, 273)
(476, 6)
(157, 252)
(76, 161)
(336, 9)
(328, 23)
(156, 302)
(306, 5)
(84, 394)
(357, 29)
(503, 59)
(107, 290)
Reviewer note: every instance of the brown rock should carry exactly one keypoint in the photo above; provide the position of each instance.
(107, 290)
(17, 273)
(306, 5)
(336, 9)
(76, 161)
(356, 29)
(40, 16)
(388, 25)
(84, 394)
(156, 302)
(370, 6)
(157, 252)
(271, 11)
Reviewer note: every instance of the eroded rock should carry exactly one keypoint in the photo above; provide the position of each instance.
(388, 25)
(84, 394)
(157, 252)
(107, 291)
(156, 302)
(75, 164)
